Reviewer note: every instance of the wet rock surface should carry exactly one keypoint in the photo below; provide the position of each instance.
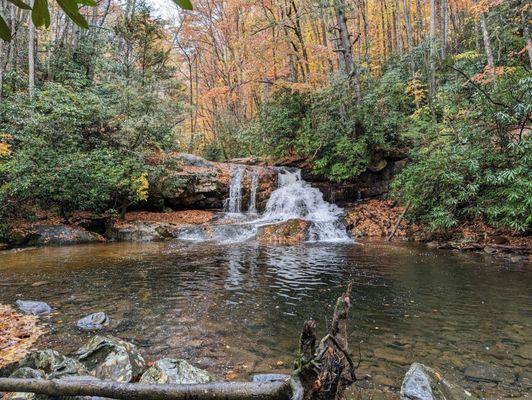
(107, 357)
(287, 232)
(488, 373)
(424, 383)
(60, 235)
(50, 363)
(93, 322)
(174, 371)
(33, 307)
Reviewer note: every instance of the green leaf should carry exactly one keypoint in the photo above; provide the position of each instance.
(70, 7)
(5, 33)
(20, 4)
(184, 4)
(40, 14)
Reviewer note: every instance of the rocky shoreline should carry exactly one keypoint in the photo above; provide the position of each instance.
(191, 193)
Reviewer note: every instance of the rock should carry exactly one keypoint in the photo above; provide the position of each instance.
(27, 373)
(132, 231)
(60, 235)
(80, 378)
(488, 373)
(291, 231)
(33, 307)
(93, 322)
(424, 383)
(173, 371)
(52, 364)
(269, 377)
(193, 160)
(107, 357)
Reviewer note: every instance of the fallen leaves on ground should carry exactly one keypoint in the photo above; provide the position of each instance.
(176, 217)
(18, 334)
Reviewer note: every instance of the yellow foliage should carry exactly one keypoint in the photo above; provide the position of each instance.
(5, 149)
(141, 186)
(416, 89)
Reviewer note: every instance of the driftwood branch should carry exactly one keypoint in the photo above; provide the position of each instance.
(390, 236)
(139, 391)
(326, 374)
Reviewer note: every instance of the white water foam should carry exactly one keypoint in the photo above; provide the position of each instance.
(293, 199)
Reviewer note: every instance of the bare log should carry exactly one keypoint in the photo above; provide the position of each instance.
(139, 391)
(390, 236)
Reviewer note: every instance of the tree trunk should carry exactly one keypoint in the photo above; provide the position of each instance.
(486, 38)
(526, 35)
(432, 49)
(345, 48)
(138, 391)
(443, 25)
(31, 56)
(409, 42)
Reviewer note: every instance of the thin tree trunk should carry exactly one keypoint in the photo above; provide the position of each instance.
(345, 47)
(486, 38)
(409, 42)
(432, 48)
(443, 25)
(526, 35)
(31, 56)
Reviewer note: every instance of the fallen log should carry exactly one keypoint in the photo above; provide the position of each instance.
(321, 373)
(139, 391)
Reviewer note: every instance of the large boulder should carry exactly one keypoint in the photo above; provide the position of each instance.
(51, 363)
(424, 383)
(33, 307)
(173, 371)
(291, 231)
(60, 235)
(107, 357)
(132, 231)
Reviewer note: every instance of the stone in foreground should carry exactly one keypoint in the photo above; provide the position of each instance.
(424, 383)
(107, 357)
(93, 322)
(51, 363)
(33, 307)
(173, 371)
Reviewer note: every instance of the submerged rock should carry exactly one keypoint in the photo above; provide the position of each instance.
(51, 363)
(33, 307)
(269, 377)
(488, 373)
(107, 357)
(93, 322)
(169, 370)
(424, 383)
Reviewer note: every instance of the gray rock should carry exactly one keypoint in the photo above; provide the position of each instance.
(52, 364)
(107, 357)
(173, 371)
(33, 307)
(60, 235)
(27, 373)
(424, 383)
(192, 160)
(93, 322)
(488, 373)
(269, 377)
(132, 231)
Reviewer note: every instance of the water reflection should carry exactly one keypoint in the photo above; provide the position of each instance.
(240, 306)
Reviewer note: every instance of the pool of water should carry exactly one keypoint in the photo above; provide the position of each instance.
(239, 308)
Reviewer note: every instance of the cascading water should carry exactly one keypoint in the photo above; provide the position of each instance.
(297, 199)
(234, 203)
(253, 185)
(293, 199)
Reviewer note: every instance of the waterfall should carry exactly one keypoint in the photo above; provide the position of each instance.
(253, 184)
(297, 199)
(293, 199)
(234, 203)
